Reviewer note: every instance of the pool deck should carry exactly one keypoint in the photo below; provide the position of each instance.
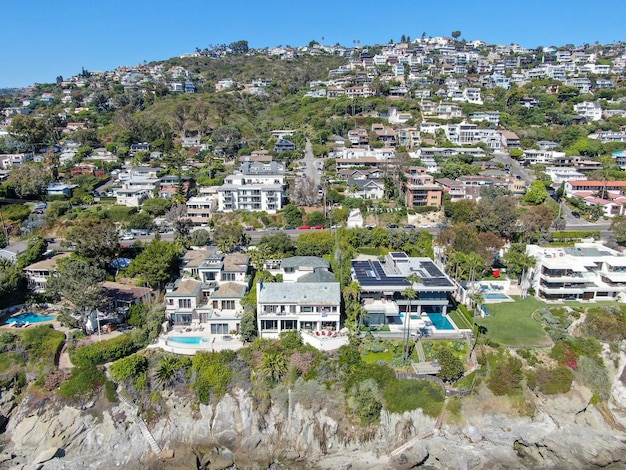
(210, 343)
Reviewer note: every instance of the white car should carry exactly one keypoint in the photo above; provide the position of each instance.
(127, 236)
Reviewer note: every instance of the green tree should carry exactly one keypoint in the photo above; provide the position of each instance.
(293, 215)
(95, 240)
(156, 206)
(315, 243)
(34, 252)
(79, 282)
(29, 180)
(410, 294)
(452, 367)
(618, 227)
(278, 244)
(536, 194)
(200, 237)
(456, 34)
(274, 365)
(12, 282)
(156, 264)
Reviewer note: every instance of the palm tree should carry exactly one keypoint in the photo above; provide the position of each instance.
(274, 365)
(409, 293)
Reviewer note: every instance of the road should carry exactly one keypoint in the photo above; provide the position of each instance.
(312, 164)
(515, 168)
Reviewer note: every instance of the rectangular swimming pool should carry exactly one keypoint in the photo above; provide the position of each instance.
(30, 317)
(495, 296)
(187, 339)
(440, 321)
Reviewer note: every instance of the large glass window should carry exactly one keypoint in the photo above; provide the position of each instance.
(219, 328)
(269, 324)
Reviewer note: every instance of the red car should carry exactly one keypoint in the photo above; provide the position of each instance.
(319, 227)
(304, 227)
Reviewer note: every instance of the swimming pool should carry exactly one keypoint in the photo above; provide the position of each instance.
(413, 317)
(187, 339)
(440, 321)
(495, 296)
(30, 317)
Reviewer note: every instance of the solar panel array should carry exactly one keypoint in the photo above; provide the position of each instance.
(370, 273)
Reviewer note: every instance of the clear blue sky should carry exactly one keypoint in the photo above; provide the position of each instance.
(43, 38)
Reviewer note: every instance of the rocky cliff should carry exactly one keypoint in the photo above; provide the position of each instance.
(559, 432)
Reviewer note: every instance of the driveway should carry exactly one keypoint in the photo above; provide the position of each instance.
(311, 164)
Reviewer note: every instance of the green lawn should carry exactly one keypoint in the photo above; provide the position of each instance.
(510, 324)
(459, 320)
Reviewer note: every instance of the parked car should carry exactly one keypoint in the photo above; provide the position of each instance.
(318, 227)
(392, 226)
(576, 215)
(271, 229)
(249, 229)
(304, 227)
(409, 226)
(288, 227)
(370, 226)
(127, 236)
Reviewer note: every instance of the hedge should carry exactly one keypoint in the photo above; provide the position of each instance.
(575, 234)
(105, 351)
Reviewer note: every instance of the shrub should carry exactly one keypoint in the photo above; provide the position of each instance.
(105, 351)
(553, 381)
(211, 375)
(43, 342)
(129, 367)
(86, 379)
(171, 368)
(407, 395)
(594, 376)
(451, 366)
(364, 401)
(605, 326)
(506, 376)
(110, 391)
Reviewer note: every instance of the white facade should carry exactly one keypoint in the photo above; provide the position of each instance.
(313, 306)
(589, 271)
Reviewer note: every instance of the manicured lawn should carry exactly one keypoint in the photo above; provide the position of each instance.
(511, 324)
(459, 320)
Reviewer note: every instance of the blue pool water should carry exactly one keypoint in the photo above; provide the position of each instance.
(186, 339)
(495, 296)
(30, 317)
(413, 317)
(440, 322)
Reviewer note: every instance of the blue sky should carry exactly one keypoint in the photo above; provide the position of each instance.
(43, 38)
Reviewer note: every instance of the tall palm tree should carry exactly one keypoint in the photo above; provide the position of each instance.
(409, 293)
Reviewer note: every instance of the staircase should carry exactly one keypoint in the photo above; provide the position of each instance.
(141, 423)
(420, 350)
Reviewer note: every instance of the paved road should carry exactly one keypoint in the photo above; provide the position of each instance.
(515, 168)
(312, 164)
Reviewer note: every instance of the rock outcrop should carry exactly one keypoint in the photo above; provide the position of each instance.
(561, 432)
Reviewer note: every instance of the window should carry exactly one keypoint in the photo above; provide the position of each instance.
(306, 309)
(292, 309)
(228, 305)
(184, 303)
(288, 325)
(228, 276)
(269, 308)
(269, 324)
(219, 328)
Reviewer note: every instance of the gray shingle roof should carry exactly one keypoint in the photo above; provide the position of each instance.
(305, 261)
(315, 293)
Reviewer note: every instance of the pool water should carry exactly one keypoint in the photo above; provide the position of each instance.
(413, 317)
(186, 339)
(440, 321)
(495, 296)
(30, 317)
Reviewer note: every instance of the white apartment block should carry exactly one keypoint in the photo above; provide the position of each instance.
(255, 187)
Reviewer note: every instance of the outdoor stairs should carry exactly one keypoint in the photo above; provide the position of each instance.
(142, 424)
(420, 350)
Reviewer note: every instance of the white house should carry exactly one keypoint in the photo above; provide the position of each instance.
(311, 306)
(588, 271)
